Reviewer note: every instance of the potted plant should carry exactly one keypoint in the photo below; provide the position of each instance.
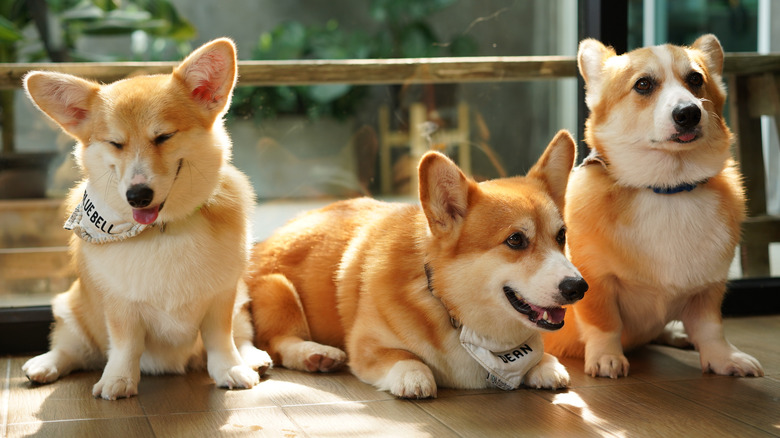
(402, 30)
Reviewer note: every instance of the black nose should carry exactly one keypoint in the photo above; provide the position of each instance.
(686, 115)
(573, 288)
(139, 195)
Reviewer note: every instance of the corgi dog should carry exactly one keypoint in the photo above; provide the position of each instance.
(654, 212)
(453, 292)
(161, 229)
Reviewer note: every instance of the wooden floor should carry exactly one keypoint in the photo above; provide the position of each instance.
(665, 395)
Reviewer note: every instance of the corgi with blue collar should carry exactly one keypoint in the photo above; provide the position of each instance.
(654, 212)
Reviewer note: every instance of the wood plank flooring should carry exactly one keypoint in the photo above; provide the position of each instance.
(665, 395)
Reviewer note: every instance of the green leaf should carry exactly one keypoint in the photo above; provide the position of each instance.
(83, 11)
(418, 42)
(327, 93)
(8, 31)
(121, 27)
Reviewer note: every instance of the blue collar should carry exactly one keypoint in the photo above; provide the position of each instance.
(595, 158)
(685, 187)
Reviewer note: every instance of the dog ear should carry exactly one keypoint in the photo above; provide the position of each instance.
(554, 166)
(591, 56)
(64, 98)
(209, 73)
(444, 192)
(713, 52)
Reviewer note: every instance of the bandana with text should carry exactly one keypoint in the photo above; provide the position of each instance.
(95, 222)
(506, 364)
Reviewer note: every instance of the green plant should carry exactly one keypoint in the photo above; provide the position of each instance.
(292, 40)
(403, 31)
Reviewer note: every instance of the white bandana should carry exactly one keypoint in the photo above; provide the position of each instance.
(506, 364)
(95, 222)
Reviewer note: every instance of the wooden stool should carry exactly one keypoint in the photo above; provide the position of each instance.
(418, 141)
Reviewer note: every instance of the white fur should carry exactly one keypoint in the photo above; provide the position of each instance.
(603, 353)
(548, 373)
(408, 379)
(308, 355)
(542, 287)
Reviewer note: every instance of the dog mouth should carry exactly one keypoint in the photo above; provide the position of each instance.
(148, 215)
(685, 137)
(548, 318)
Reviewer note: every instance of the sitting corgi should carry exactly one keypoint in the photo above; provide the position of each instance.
(161, 229)
(453, 292)
(654, 212)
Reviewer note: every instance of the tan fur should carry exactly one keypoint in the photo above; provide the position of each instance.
(351, 276)
(652, 258)
(152, 302)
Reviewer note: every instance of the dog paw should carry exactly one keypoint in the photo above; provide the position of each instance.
(41, 369)
(313, 357)
(548, 374)
(674, 335)
(731, 362)
(239, 376)
(607, 365)
(114, 387)
(325, 363)
(411, 379)
(255, 358)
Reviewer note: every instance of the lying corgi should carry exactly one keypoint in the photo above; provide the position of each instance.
(453, 292)
(161, 231)
(654, 212)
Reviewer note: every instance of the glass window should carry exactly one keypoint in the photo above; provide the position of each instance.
(305, 146)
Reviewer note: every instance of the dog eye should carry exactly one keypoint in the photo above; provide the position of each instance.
(517, 241)
(643, 86)
(162, 138)
(116, 145)
(695, 79)
(561, 237)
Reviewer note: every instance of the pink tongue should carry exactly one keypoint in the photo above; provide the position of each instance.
(554, 314)
(686, 137)
(145, 215)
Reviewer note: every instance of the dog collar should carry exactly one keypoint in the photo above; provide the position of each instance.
(595, 158)
(685, 187)
(95, 222)
(428, 276)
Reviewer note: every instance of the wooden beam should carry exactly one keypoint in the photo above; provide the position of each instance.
(369, 71)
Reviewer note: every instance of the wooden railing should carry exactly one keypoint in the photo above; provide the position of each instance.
(373, 71)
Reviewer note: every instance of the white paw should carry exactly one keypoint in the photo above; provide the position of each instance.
(239, 376)
(411, 379)
(41, 369)
(114, 387)
(731, 362)
(313, 357)
(255, 358)
(548, 375)
(674, 335)
(607, 365)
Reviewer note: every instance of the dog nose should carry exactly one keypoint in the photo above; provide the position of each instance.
(686, 115)
(139, 195)
(573, 288)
